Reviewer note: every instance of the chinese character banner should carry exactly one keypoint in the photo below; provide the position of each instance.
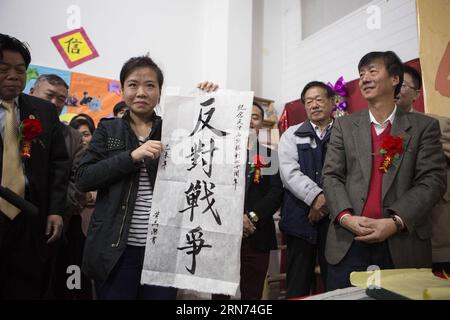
(195, 228)
(75, 47)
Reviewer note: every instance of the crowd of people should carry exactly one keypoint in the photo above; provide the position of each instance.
(364, 189)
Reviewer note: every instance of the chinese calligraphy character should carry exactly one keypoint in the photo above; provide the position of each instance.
(209, 193)
(237, 148)
(197, 150)
(196, 244)
(153, 227)
(205, 123)
(72, 46)
(193, 195)
(166, 155)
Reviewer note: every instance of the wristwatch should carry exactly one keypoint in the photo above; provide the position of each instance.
(253, 217)
(397, 222)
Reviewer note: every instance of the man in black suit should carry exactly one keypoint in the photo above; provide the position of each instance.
(68, 250)
(264, 192)
(263, 196)
(24, 239)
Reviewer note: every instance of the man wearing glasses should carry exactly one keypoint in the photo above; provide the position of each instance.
(440, 220)
(410, 90)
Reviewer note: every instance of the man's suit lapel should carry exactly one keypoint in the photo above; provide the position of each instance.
(26, 109)
(363, 144)
(1, 151)
(399, 128)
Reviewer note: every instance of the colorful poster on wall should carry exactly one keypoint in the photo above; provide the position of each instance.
(75, 47)
(91, 95)
(34, 71)
(434, 32)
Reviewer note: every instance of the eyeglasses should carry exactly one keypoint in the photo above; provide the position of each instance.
(404, 85)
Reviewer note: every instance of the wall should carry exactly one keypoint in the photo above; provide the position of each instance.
(267, 51)
(337, 49)
(191, 40)
(240, 44)
(328, 11)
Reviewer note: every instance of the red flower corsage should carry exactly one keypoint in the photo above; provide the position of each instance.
(391, 148)
(258, 162)
(29, 130)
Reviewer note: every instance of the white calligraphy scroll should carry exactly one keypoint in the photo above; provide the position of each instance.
(195, 228)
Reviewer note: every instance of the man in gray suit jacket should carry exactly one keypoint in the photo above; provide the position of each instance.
(384, 172)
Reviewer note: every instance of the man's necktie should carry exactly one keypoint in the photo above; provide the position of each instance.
(12, 171)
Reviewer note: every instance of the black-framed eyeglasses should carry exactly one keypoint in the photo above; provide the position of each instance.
(404, 85)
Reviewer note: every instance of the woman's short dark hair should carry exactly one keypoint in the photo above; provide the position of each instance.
(256, 104)
(330, 92)
(139, 62)
(391, 61)
(83, 116)
(12, 44)
(76, 123)
(119, 107)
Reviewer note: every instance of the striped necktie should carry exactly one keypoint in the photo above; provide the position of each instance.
(12, 171)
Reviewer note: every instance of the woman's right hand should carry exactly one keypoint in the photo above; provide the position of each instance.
(150, 149)
(208, 86)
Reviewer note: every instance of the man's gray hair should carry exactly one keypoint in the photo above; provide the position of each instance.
(53, 79)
